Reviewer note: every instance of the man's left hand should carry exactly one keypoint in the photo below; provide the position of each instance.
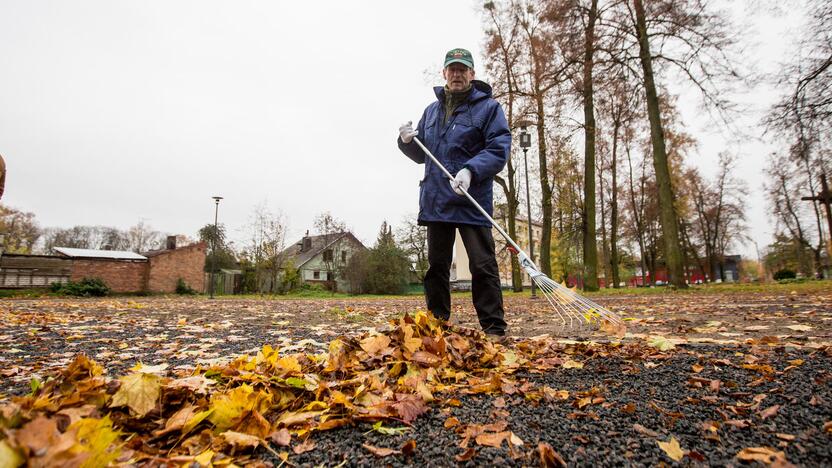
(462, 181)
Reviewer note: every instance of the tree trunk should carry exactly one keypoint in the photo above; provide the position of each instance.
(614, 209)
(590, 242)
(545, 187)
(670, 228)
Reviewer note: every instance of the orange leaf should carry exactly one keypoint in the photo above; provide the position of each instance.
(381, 451)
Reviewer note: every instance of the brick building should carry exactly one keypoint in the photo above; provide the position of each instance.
(121, 271)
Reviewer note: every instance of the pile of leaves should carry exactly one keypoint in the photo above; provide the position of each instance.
(219, 415)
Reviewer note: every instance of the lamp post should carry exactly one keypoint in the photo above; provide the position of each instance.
(214, 247)
(526, 143)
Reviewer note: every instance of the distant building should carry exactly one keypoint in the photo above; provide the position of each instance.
(122, 271)
(318, 259)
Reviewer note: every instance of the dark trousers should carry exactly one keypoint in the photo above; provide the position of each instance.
(485, 277)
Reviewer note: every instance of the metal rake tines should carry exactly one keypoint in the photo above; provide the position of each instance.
(571, 307)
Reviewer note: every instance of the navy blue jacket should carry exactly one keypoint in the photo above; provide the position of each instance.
(476, 137)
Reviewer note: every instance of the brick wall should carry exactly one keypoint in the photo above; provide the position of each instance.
(121, 276)
(166, 267)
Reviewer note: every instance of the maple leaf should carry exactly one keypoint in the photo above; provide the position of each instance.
(375, 344)
(255, 424)
(289, 365)
(139, 392)
(229, 407)
(195, 383)
(672, 448)
(96, 438)
(410, 407)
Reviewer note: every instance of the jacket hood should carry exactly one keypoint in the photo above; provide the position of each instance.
(480, 90)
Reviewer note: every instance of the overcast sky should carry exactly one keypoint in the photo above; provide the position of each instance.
(113, 112)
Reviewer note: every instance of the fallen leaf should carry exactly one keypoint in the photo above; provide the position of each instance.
(672, 448)
(466, 455)
(570, 364)
(548, 457)
(451, 422)
(765, 455)
(375, 344)
(238, 440)
(381, 451)
(492, 439)
(304, 447)
(769, 412)
(644, 431)
(139, 392)
(802, 328)
(409, 448)
(661, 343)
(281, 437)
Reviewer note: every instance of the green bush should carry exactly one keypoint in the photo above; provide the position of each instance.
(87, 287)
(784, 274)
(183, 288)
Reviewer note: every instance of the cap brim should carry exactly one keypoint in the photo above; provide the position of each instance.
(467, 63)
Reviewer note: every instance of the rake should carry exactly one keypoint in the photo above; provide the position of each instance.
(575, 312)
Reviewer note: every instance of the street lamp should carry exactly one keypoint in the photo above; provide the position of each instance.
(214, 247)
(526, 143)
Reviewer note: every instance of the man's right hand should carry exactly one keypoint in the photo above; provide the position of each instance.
(406, 132)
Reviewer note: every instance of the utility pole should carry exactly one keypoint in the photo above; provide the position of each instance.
(214, 247)
(525, 143)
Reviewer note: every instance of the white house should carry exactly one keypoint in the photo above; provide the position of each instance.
(318, 259)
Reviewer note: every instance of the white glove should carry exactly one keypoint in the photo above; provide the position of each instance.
(406, 132)
(462, 181)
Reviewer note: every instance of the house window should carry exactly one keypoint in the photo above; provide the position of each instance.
(316, 274)
(328, 255)
(344, 257)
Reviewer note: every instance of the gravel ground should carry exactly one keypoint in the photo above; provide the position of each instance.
(713, 411)
(604, 434)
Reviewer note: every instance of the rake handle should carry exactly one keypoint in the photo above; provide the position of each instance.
(520, 251)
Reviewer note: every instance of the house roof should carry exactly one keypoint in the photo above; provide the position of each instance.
(91, 253)
(319, 244)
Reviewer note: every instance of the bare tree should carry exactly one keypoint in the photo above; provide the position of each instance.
(266, 248)
(333, 257)
(413, 239)
(502, 56)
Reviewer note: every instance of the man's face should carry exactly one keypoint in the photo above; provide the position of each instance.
(458, 76)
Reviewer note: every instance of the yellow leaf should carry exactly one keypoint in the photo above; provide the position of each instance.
(95, 439)
(178, 420)
(661, 343)
(570, 364)
(228, 407)
(672, 448)
(803, 328)
(9, 457)
(138, 392)
(410, 344)
(157, 369)
(289, 365)
(204, 458)
(195, 420)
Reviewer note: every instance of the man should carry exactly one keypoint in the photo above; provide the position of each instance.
(466, 130)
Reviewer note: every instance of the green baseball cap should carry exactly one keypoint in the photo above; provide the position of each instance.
(459, 56)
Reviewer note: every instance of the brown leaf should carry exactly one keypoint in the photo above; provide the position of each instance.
(493, 439)
(769, 412)
(548, 457)
(375, 344)
(178, 420)
(410, 408)
(425, 358)
(739, 423)
(466, 455)
(697, 368)
(451, 422)
(409, 448)
(238, 440)
(644, 431)
(765, 455)
(629, 408)
(381, 451)
(304, 447)
(281, 437)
